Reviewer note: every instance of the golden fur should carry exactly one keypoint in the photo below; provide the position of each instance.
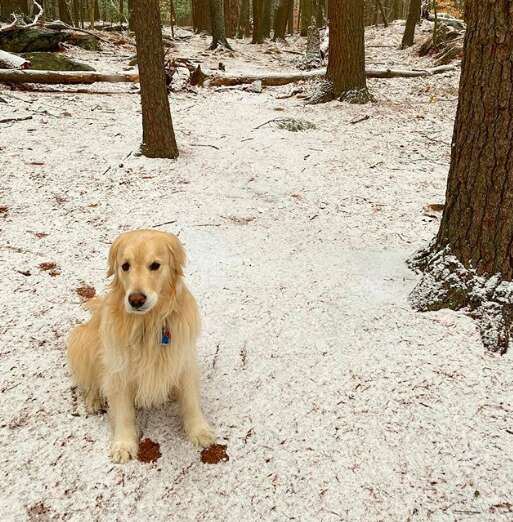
(118, 357)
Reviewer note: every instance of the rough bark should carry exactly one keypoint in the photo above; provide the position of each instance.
(271, 79)
(346, 62)
(280, 19)
(290, 18)
(470, 265)
(158, 134)
(231, 16)
(306, 16)
(64, 13)
(218, 25)
(201, 16)
(411, 22)
(258, 10)
(243, 26)
(379, 6)
(63, 77)
(267, 18)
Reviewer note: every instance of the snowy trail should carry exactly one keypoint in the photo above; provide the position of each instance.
(336, 401)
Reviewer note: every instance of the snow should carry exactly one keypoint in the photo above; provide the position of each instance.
(336, 400)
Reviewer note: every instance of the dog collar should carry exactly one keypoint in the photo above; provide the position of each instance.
(166, 336)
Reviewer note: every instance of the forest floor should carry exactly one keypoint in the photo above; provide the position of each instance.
(336, 401)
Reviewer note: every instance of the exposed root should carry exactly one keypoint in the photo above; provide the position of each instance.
(359, 96)
(446, 283)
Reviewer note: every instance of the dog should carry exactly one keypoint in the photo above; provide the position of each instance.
(138, 350)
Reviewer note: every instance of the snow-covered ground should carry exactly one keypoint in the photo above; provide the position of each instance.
(336, 401)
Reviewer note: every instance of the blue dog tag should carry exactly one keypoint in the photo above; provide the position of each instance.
(166, 336)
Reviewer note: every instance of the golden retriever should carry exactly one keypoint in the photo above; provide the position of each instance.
(139, 347)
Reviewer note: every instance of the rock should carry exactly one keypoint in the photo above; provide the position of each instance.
(22, 40)
(83, 40)
(55, 62)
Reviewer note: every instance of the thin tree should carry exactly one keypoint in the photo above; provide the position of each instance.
(243, 25)
(411, 22)
(201, 16)
(345, 75)
(64, 13)
(280, 19)
(218, 25)
(470, 263)
(158, 134)
(258, 11)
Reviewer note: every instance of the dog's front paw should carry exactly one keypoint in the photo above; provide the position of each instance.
(123, 450)
(200, 433)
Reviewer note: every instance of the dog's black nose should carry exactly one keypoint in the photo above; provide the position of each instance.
(136, 299)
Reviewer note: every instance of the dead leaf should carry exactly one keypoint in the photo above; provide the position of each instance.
(149, 451)
(86, 292)
(214, 454)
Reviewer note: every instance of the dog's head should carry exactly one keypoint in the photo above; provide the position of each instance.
(146, 265)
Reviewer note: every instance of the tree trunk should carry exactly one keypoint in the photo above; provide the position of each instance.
(267, 18)
(409, 30)
(478, 218)
(231, 15)
(258, 9)
(218, 25)
(379, 6)
(75, 9)
(306, 16)
(346, 61)
(290, 18)
(471, 262)
(243, 28)
(201, 16)
(64, 13)
(280, 19)
(158, 134)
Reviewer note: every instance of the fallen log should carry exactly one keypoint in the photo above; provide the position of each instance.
(64, 77)
(274, 79)
(13, 61)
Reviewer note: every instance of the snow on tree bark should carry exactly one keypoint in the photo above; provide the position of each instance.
(476, 231)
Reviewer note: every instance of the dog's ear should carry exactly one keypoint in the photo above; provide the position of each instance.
(177, 253)
(113, 254)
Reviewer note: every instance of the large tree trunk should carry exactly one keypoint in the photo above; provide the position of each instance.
(471, 262)
(346, 61)
(258, 11)
(306, 16)
(411, 22)
(201, 16)
(158, 134)
(266, 19)
(64, 13)
(243, 28)
(218, 26)
(280, 19)
(231, 16)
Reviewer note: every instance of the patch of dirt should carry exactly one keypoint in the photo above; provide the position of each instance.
(38, 512)
(86, 292)
(149, 451)
(4, 210)
(214, 454)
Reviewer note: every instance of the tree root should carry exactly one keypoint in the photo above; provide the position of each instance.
(447, 283)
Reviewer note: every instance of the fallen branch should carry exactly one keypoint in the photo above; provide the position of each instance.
(15, 23)
(9, 120)
(64, 77)
(273, 79)
(13, 61)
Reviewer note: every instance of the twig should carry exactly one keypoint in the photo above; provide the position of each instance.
(270, 121)
(8, 120)
(166, 223)
(204, 145)
(366, 117)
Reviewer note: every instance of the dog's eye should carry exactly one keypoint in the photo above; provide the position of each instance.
(125, 267)
(154, 266)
